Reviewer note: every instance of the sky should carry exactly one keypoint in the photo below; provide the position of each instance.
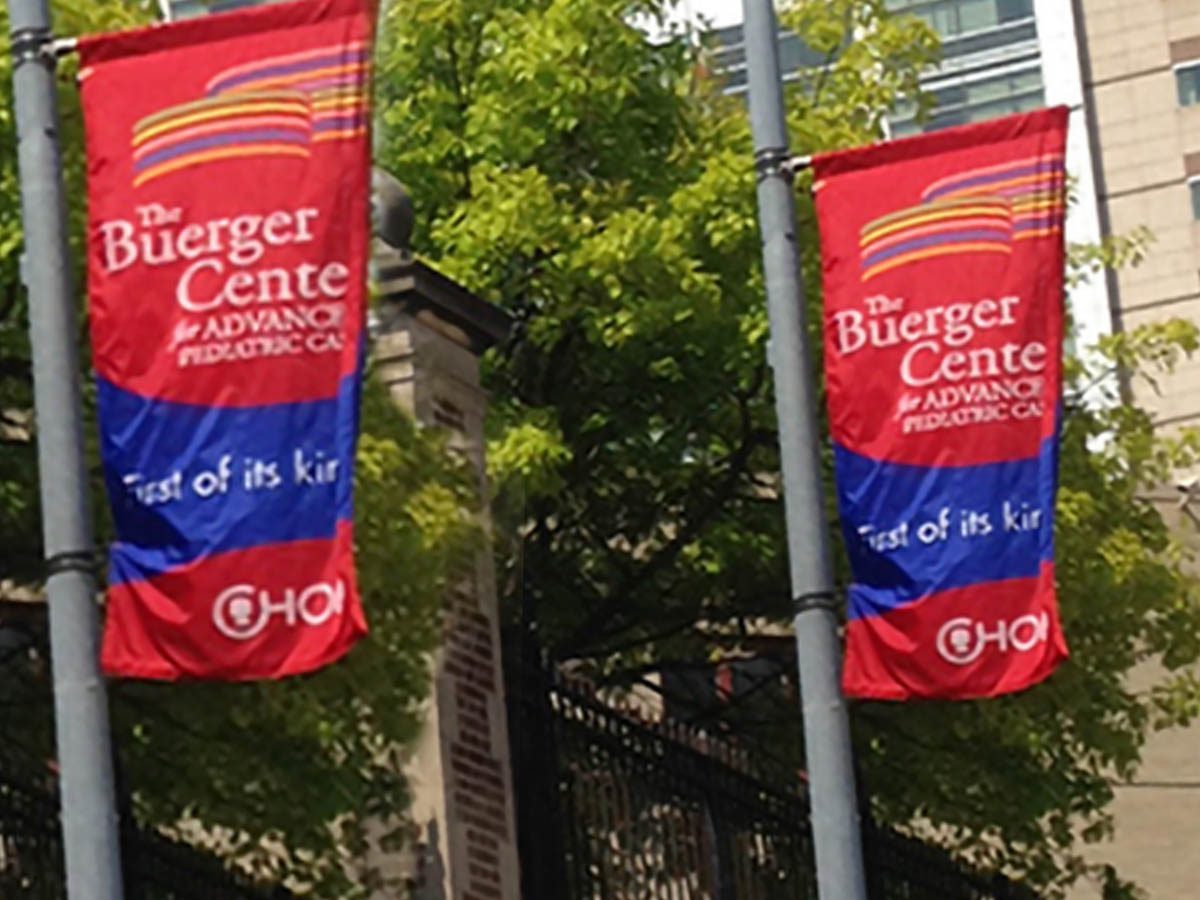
(712, 13)
(719, 12)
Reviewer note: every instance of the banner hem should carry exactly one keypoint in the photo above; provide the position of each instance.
(129, 669)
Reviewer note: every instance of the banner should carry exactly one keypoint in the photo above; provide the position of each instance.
(228, 233)
(943, 281)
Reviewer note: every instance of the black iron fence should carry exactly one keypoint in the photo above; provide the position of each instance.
(614, 807)
(155, 867)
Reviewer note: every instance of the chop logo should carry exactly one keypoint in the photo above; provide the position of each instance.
(242, 611)
(961, 641)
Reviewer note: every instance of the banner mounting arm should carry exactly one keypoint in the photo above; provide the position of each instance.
(796, 164)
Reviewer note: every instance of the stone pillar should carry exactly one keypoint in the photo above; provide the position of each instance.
(429, 335)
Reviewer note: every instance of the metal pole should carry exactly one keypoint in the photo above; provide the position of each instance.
(836, 833)
(89, 817)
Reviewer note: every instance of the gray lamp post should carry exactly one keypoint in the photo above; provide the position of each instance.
(89, 812)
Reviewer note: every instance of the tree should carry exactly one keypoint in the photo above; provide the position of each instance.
(597, 185)
(282, 779)
(600, 187)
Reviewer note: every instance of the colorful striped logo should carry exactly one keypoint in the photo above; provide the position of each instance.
(978, 211)
(278, 106)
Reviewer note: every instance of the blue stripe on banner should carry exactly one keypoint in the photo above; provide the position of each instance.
(188, 481)
(912, 531)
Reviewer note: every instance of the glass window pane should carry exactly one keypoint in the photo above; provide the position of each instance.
(990, 39)
(735, 79)
(794, 54)
(954, 17)
(1188, 82)
(948, 120)
(943, 18)
(992, 89)
(1004, 86)
(954, 95)
(1008, 106)
(1195, 186)
(974, 15)
(1011, 10)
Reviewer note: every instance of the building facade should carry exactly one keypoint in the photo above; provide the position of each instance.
(991, 62)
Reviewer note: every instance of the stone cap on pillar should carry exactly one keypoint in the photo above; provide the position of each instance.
(415, 288)
(409, 286)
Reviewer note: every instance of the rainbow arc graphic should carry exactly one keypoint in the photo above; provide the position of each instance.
(279, 106)
(978, 211)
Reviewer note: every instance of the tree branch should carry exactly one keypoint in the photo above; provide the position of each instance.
(19, 369)
(462, 103)
(675, 628)
(751, 439)
(11, 295)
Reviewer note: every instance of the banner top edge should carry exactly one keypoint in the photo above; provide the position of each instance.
(164, 36)
(917, 146)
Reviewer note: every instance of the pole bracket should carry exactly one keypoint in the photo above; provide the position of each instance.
(815, 600)
(772, 162)
(33, 45)
(70, 561)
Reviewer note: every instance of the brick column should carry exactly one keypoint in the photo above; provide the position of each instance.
(429, 336)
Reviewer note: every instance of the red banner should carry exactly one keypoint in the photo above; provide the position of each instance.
(943, 282)
(228, 192)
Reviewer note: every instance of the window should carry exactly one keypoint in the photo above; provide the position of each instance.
(1013, 10)
(953, 17)
(794, 55)
(186, 9)
(957, 104)
(1187, 80)
(1194, 187)
(947, 119)
(975, 15)
(1022, 32)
